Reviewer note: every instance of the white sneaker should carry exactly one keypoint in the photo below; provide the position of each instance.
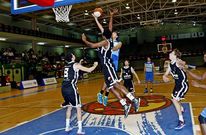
(67, 129)
(80, 132)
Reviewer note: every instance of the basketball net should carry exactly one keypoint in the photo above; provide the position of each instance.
(62, 13)
(164, 48)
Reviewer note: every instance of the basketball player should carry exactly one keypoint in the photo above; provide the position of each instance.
(70, 90)
(127, 75)
(115, 59)
(202, 116)
(202, 120)
(149, 74)
(176, 69)
(115, 54)
(110, 76)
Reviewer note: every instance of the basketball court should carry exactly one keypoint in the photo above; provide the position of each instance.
(36, 110)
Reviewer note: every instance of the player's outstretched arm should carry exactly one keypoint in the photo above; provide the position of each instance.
(114, 11)
(198, 85)
(98, 24)
(121, 74)
(86, 69)
(94, 45)
(165, 76)
(198, 77)
(135, 74)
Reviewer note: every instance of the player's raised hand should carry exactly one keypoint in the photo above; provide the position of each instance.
(95, 63)
(94, 16)
(165, 78)
(114, 11)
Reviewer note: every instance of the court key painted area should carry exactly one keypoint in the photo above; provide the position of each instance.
(159, 122)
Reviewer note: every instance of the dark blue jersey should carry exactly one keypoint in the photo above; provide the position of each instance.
(104, 54)
(70, 75)
(178, 74)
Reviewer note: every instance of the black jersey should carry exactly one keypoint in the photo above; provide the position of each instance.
(104, 54)
(127, 73)
(178, 74)
(108, 69)
(70, 75)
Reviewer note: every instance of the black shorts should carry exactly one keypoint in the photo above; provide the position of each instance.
(180, 90)
(129, 85)
(110, 75)
(202, 119)
(71, 95)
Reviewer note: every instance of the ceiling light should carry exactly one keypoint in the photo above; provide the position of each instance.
(41, 43)
(138, 17)
(174, 1)
(87, 29)
(86, 12)
(2, 39)
(194, 23)
(175, 12)
(67, 46)
(47, 16)
(71, 24)
(104, 21)
(127, 6)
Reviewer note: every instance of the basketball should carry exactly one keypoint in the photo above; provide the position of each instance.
(98, 12)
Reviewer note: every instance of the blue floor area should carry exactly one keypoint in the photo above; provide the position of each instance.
(152, 123)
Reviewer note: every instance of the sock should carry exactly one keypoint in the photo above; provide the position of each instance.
(102, 91)
(130, 96)
(122, 102)
(79, 125)
(182, 109)
(107, 94)
(67, 122)
(181, 118)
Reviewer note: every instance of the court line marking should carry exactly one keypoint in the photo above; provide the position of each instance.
(51, 131)
(29, 93)
(192, 118)
(30, 120)
(24, 109)
(88, 126)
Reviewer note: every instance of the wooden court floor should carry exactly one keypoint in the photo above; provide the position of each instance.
(20, 106)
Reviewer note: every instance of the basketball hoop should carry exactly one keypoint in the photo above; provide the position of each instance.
(164, 47)
(62, 13)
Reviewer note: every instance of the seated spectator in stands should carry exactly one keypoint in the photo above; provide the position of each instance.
(8, 55)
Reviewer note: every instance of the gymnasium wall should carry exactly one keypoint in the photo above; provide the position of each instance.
(143, 41)
(22, 47)
(18, 22)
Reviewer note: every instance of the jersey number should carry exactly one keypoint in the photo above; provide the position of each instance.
(66, 70)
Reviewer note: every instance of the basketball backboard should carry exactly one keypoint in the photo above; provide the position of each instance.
(166, 47)
(23, 6)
